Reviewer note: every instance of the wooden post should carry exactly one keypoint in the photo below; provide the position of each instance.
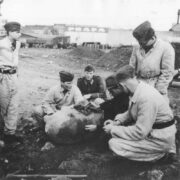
(11, 176)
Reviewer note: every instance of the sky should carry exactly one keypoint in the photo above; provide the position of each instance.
(125, 14)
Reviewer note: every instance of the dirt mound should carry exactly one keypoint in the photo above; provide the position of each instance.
(86, 52)
(116, 58)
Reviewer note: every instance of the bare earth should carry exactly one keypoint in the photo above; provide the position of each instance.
(38, 71)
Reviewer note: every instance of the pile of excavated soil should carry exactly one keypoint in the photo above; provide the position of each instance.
(116, 58)
(86, 52)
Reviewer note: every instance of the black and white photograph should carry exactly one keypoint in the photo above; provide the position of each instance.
(89, 89)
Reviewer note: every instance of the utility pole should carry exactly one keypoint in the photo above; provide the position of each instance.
(1, 1)
(2, 22)
(178, 16)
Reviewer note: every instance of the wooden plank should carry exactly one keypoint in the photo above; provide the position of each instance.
(45, 176)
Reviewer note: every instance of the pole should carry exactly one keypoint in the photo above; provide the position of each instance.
(178, 16)
(45, 176)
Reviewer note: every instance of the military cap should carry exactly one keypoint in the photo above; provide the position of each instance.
(12, 26)
(66, 76)
(144, 31)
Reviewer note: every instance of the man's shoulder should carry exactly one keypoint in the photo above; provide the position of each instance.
(165, 44)
(80, 79)
(148, 92)
(75, 87)
(97, 78)
(4, 42)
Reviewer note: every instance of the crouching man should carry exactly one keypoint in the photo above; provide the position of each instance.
(64, 94)
(146, 132)
(118, 102)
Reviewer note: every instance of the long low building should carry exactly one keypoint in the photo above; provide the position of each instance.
(80, 34)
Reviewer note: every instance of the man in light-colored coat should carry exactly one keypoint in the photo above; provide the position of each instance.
(146, 132)
(63, 94)
(9, 50)
(154, 59)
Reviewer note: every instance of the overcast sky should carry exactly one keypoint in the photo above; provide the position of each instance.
(110, 13)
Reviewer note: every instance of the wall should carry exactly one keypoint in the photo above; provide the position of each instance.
(80, 37)
(117, 37)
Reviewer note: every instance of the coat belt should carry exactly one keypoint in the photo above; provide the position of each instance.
(163, 124)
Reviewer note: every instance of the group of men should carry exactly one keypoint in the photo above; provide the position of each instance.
(138, 116)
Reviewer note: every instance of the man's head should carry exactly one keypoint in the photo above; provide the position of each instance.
(89, 72)
(144, 34)
(112, 86)
(66, 79)
(125, 77)
(13, 30)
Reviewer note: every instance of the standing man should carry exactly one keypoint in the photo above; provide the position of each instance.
(153, 59)
(91, 85)
(9, 51)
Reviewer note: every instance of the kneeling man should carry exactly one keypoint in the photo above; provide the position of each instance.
(64, 94)
(146, 132)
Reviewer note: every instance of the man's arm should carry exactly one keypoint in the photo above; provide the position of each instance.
(78, 97)
(133, 59)
(16, 53)
(48, 103)
(79, 83)
(166, 69)
(147, 111)
(122, 118)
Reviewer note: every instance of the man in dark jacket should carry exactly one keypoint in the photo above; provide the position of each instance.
(117, 104)
(90, 85)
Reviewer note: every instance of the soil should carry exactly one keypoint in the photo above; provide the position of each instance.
(38, 71)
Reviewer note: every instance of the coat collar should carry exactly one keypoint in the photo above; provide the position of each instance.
(91, 81)
(154, 45)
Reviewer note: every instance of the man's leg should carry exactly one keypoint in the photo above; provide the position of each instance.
(9, 107)
(11, 118)
(143, 150)
(11, 113)
(5, 98)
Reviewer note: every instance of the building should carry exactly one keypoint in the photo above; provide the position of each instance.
(82, 33)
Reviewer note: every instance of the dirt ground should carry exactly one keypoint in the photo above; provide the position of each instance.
(38, 71)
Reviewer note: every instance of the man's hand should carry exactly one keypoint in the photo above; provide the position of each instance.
(117, 119)
(109, 121)
(87, 96)
(115, 122)
(91, 127)
(108, 128)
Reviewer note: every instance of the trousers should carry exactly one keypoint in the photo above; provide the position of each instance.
(8, 103)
